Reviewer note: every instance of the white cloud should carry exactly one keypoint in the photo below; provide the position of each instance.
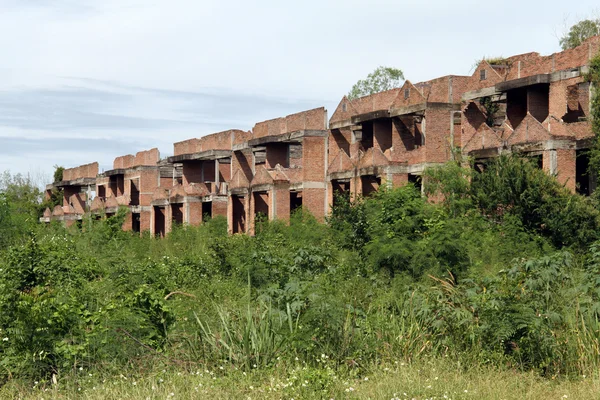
(166, 70)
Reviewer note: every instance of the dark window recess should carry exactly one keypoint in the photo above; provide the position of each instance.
(344, 107)
(382, 134)
(575, 112)
(483, 74)
(516, 106)
(135, 222)
(261, 205)
(177, 213)
(585, 181)
(102, 192)
(295, 201)
(278, 153)
(416, 181)
(406, 93)
(206, 210)
(117, 184)
(537, 160)
(370, 184)
(159, 221)
(480, 166)
(341, 191)
(135, 193)
(367, 135)
(239, 214)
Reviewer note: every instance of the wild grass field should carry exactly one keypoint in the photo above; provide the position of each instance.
(492, 293)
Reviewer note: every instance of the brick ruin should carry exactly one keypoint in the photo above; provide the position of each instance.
(534, 105)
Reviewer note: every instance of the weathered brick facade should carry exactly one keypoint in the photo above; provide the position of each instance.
(531, 104)
(77, 186)
(537, 106)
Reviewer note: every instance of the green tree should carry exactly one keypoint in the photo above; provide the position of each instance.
(19, 206)
(579, 32)
(58, 173)
(383, 78)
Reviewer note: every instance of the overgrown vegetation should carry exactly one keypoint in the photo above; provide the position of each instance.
(500, 275)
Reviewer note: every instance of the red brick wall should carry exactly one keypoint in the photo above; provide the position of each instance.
(282, 202)
(83, 171)
(219, 208)
(565, 166)
(189, 146)
(437, 134)
(124, 162)
(147, 158)
(195, 213)
(224, 172)
(314, 201)
(313, 153)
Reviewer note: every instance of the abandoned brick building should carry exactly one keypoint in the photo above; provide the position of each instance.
(280, 168)
(77, 185)
(202, 190)
(132, 183)
(535, 105)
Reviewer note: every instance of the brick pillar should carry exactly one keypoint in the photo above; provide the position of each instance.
(565, 168)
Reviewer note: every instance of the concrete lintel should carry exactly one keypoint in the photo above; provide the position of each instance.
(476, 94)
(160, 203)
(584, 144)
(569, 73)
(201, 156)
(240, 146)
(485, 153)
(395, 112)
(80, 182)
(357, 119)
(340, 124)
(239, 191)
(522, 82)
(112, 172)
(140, 209)
(546, 145)
(313, 185)
(290, 137)
(376, 171)
(262, 188)
(336, 176)
(215, 198)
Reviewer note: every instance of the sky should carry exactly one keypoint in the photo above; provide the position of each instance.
(90, 80)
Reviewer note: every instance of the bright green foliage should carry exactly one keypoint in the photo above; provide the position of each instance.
(502, 270)
(579, 32)
(593, 77)
(513, 186)
(58, 173)
(19, 207)
(382, 79)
